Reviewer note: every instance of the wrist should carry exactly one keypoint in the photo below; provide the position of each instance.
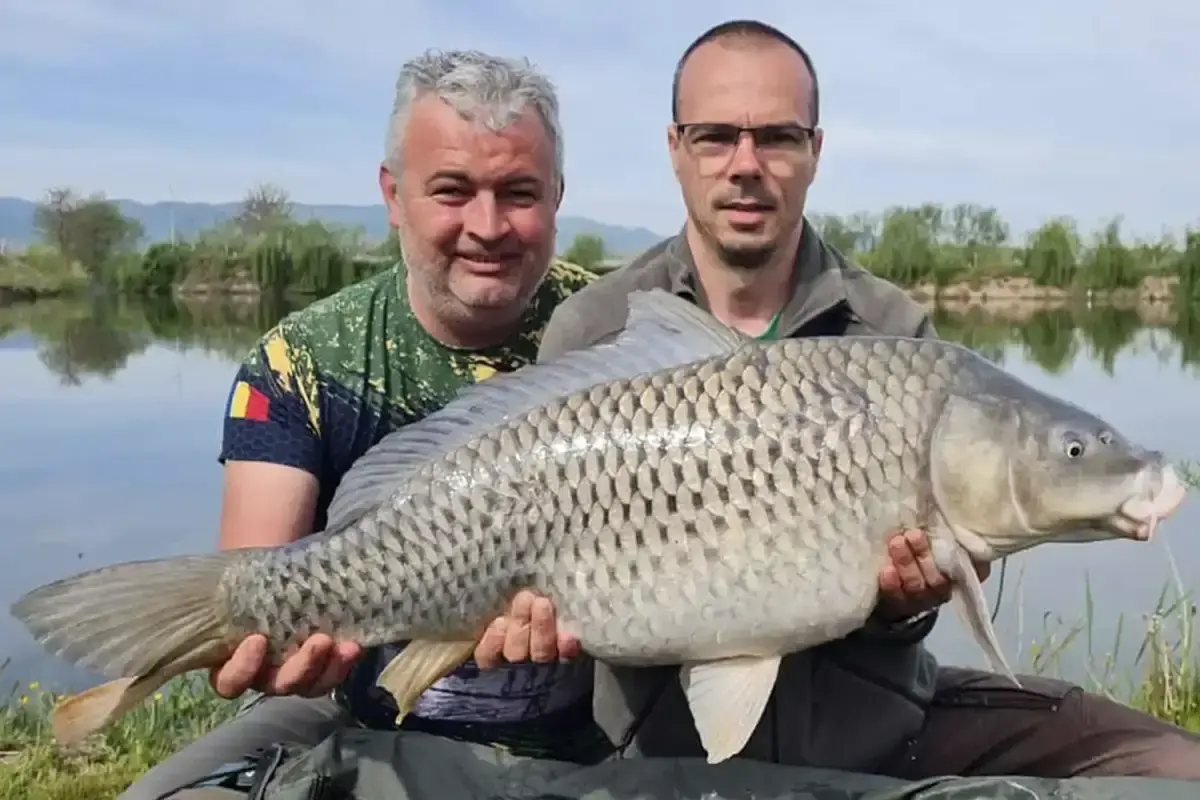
(903, 622)
(902, 629)
(891, 613)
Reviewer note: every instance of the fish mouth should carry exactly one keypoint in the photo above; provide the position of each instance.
(1158, 492)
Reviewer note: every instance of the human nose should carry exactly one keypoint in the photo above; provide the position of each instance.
(744, 160)
(484, 218)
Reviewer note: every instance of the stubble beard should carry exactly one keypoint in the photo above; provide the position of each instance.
(481, 320)
(748, 258)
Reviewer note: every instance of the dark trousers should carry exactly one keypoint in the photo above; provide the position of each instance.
(271, 720)
(979, 724)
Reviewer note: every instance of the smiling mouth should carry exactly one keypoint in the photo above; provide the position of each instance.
(489, 262)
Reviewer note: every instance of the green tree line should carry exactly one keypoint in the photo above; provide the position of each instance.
(265, 247)
(937, 246)
(87, 242)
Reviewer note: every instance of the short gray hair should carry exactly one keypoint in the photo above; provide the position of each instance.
(482, 88)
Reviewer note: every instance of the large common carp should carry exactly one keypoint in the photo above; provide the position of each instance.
(685, 495)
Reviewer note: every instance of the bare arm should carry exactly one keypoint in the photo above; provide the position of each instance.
(274, 454)
(266, 504)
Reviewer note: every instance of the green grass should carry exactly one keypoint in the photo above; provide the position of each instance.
(1164, 681)
(33, 767)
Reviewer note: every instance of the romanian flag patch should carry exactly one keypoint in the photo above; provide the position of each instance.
(246, 402)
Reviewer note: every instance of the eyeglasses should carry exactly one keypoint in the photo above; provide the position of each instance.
(714, 143)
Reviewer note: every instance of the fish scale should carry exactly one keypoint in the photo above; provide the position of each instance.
(720, 489)
(684, 495)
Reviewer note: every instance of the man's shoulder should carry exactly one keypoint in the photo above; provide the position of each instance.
(605, 298)
(566, 278)
(323, 330)
(878, 305)
(348, 308)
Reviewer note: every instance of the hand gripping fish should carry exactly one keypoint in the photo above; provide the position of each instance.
(685, 495)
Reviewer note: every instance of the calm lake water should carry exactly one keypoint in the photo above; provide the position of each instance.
(110, 424)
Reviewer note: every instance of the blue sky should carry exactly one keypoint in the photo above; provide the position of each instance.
(1039, 108)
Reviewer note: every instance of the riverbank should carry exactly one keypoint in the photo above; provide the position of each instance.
(1016, 299)
(1011, 297)
(38, 275)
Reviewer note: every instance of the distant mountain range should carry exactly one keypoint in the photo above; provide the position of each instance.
(16, 222)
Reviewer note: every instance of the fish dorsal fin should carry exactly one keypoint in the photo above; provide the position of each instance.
(662, 330)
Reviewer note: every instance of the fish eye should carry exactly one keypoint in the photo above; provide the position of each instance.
(1072, 447)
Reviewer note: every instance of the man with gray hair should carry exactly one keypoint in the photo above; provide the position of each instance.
(472, 179)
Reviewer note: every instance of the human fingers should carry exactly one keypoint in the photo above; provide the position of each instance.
(300, 671)
(889, 582)
(337, 667)
(235, 676)
(935, 580)
(543, 633)
(516, 637)
(568, 647)
(489, 652)
(911, 579)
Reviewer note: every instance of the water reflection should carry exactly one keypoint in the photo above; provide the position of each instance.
(1054, 338)
(97, 336)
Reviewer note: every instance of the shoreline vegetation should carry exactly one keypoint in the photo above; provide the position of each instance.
(957, 256)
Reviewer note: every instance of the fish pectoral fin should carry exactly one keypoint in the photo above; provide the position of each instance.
(421, 664)
(966, 594)
(969, 601)
(78, 716)
(727, 699)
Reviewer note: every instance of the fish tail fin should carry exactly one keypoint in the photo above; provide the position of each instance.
(141, 623)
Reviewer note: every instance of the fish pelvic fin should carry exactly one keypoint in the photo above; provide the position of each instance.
(727, 699)
(418, 666)
(966, 594)
(141, 623)
(661, 331)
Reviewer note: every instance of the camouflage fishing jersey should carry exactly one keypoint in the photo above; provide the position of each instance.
(327, 383)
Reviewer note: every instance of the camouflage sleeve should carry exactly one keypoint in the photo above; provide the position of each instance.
(273, 412)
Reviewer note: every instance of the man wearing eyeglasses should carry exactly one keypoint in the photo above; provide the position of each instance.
(745, 145)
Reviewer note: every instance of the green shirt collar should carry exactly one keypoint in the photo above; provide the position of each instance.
(772, 330)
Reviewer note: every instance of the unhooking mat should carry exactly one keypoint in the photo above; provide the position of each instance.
(362, 765)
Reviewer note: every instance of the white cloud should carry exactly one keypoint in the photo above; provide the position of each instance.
(1075, 107)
